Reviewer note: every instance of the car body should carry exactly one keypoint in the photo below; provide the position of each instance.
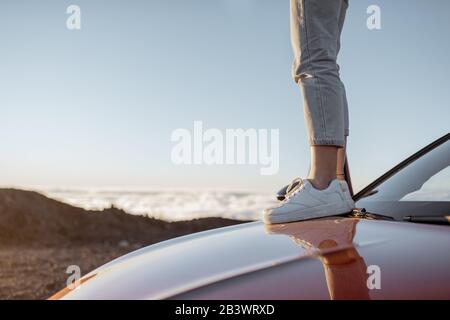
(376, 252)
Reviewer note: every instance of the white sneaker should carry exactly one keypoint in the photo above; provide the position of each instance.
(307, 202)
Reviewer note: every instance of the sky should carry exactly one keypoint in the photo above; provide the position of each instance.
(96, 107)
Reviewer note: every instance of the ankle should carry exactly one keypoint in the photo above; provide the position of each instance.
(340, 176)
(321, 183)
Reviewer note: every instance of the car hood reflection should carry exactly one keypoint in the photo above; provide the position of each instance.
(331, 241)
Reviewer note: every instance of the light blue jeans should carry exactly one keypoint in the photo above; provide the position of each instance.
(316, 27)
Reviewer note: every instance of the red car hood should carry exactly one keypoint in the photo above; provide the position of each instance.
(337, 258)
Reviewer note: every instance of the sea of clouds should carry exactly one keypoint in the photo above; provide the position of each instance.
(170, 205)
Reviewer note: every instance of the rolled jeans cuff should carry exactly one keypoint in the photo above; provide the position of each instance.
(326, 142)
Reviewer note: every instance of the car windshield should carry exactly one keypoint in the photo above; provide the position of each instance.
(422, 188)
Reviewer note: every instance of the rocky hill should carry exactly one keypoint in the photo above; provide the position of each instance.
(30, 219)
(41, 237)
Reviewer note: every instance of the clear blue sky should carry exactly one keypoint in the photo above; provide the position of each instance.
(96, 107)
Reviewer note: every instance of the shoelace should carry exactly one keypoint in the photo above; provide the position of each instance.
(294, 187)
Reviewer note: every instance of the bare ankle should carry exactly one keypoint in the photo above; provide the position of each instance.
(340, 176)
(320, 183)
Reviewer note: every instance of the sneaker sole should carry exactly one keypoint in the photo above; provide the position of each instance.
(327, 210)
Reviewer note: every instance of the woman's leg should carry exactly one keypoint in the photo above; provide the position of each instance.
(315, 32)
(316, 27)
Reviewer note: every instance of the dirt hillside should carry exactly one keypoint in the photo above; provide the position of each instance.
(40, 237)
